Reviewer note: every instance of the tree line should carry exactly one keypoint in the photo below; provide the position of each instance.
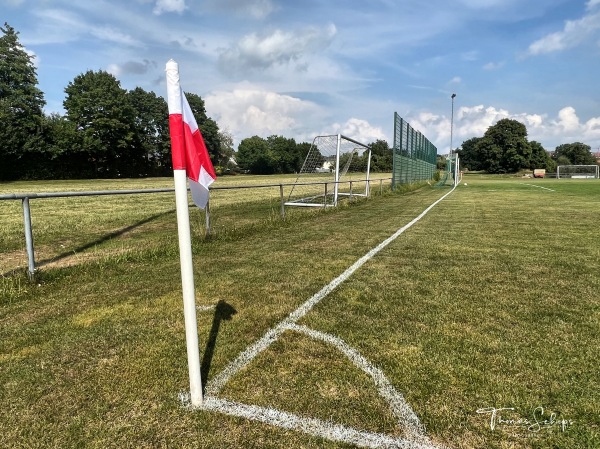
(276, 154)
(107, 131)
(504, 148)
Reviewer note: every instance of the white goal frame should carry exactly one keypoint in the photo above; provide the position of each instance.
(341, 173)
(586, 172)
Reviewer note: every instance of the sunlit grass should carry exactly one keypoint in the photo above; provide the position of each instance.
(67, 230)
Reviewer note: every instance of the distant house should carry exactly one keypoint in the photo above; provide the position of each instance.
(325, 168)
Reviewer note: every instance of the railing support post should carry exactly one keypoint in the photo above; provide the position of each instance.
(207, 217)
(28, 239)
(282, 201)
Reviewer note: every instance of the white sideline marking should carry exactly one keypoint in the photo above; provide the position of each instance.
(407, 418)
(246, 356)
(539, 187)
(312, 426)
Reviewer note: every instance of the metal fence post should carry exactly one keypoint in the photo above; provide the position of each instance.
(28, 239)
(325, 197)
(207, 216)
(282, 202)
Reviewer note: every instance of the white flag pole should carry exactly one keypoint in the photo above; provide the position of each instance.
(185, 247)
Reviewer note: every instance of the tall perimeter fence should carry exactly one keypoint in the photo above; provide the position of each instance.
(231, 209)
(414, 157)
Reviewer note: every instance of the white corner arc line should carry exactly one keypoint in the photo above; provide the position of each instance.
(245, 357)
(399, 407)
(311, 426)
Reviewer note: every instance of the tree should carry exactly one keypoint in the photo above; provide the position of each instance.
(104, 119)
(576, 153)
(381, 156)
(504, 147)
(470, 157)
(284, 152)
(303, 149)
(21, 104)
(151, 120)
(539, 157)
(253, 155)
(63, 156)
(226, 152)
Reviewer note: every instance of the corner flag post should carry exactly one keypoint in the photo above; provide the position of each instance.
(175, 101)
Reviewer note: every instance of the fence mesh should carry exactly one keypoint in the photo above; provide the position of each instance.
(414, 155)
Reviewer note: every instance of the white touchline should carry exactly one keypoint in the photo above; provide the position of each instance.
(539, 187)
(312, 426)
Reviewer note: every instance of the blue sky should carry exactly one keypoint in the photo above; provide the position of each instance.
(300, 68)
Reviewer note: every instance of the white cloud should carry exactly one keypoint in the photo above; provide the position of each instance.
(260, 52)
(259, 9)
(591, 4)
(574, 33)
(131, 68)
(473, 121)
(13, 3)
(456, 80)
(35, 59)
(567, 128)
(61, 26)
(249, 110)
(111, 34)
(357, 129)
(493, 65)
(567, 119)
(169, 6)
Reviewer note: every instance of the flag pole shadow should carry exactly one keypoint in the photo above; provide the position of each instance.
(223, 311)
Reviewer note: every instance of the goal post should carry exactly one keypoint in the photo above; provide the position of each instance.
(577, 171)
(335, 167)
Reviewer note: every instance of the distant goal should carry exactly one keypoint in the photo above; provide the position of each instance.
(335, 167)
(577, 171)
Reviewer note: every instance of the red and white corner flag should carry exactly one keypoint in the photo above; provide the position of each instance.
(190, 160)
(187, 145)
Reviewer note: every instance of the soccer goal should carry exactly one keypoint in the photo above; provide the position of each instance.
(577, 171)
(335, 167)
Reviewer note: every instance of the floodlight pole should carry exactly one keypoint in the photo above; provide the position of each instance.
(451, 123)
(451, 135)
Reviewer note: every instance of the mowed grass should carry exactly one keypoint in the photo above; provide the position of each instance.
(69, 230)
(490, 301)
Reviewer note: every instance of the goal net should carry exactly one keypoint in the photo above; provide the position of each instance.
(577, 171)
(335, 167)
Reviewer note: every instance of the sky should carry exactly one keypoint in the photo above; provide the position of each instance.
(302, 68)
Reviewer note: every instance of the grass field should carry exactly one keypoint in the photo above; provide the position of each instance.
(488, 302)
